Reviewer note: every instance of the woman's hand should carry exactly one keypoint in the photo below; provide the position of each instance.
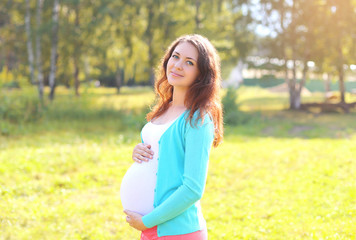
(142, 152)
(135, 220)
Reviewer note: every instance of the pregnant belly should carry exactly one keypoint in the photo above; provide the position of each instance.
(137, 187)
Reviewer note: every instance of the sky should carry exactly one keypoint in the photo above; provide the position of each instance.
(257, 13)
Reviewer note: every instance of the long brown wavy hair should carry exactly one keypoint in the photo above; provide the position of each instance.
(203, 94)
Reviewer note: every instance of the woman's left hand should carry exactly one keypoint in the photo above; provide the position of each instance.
(135, 220)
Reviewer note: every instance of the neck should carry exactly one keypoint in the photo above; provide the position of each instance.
(178, 97)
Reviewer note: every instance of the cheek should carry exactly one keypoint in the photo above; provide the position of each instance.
(194, 74)
(169, 63)
(169, 66)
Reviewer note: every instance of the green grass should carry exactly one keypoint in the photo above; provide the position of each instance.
(282, 175)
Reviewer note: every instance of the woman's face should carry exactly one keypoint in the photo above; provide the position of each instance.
(182, 66)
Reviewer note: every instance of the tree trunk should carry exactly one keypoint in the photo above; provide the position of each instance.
(52, 75)
(29, 42)
(341, 75)
(327, 83)
(152, 71)
(149, 35)
(304, 77)
(295, 101)
(87, 69)
(76, 77)
(38, 50)
(197, 18)
(342, 85)
(294, 94)
(287, 80)
(118, 78)
(152, 76)
(76, 55)
(299, 88)
(220, 3)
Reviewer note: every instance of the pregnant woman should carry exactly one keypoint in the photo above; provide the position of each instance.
(161, 191)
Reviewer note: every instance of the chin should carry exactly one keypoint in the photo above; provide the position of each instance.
(172, 82)
(176, 83)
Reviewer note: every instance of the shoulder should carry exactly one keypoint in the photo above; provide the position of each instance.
(198, 118)
(198, 124)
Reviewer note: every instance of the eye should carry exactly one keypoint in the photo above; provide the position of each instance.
(190, 63)
(175, 56)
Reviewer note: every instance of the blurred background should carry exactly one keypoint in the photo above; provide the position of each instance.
(119, 43)
(76, 81)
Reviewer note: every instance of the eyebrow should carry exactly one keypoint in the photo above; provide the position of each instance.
(187, 57)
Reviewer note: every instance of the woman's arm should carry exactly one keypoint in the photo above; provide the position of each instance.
(198, 142)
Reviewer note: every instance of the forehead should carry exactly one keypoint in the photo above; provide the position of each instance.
(187, 49)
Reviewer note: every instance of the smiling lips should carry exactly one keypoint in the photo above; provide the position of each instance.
(176, 74)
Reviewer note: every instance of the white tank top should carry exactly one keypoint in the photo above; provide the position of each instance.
(139, 182)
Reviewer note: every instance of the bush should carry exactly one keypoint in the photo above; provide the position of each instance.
(10, 85)
(232, 115)
(268, 77)
(108, 80)
(20, 109)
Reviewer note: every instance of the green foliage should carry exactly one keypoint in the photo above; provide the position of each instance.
(9, 85)
(99, 37)
(232, 115)
(22, 106)
(4, 128)
(20, 109)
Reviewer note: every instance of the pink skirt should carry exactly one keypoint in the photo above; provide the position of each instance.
(151, 234)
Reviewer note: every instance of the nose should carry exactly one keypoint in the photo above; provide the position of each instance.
(178, 65)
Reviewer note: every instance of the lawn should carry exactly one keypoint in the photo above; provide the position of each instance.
(280, 175)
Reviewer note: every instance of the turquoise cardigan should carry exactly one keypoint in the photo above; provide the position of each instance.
(181, 176)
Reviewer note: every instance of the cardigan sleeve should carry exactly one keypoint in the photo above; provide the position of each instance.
(198, 140)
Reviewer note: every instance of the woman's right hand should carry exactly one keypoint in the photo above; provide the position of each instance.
(142, 152)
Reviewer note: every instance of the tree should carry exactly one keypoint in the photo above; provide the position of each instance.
(119, 39)
(293, 23)
(340, 19)
(39, 50)
(77, 48)
(303, 33)
(52, 75)
(281, 16)
(29, 42)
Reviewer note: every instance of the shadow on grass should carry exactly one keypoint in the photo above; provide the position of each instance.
(78, 123)
(294, 124)
(99, 123)
(124, 91)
